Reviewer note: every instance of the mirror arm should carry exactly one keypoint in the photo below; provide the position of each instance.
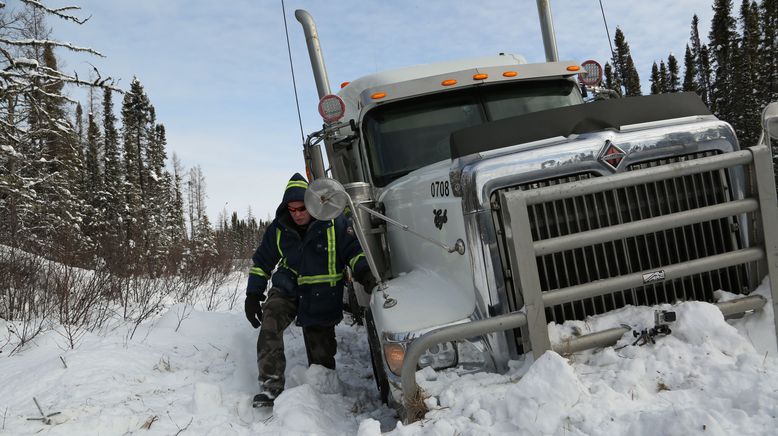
(459, 246)
(388, 301)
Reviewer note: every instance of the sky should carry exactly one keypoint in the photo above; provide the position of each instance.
(218, 73)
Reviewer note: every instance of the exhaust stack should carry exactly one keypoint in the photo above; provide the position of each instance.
(547, 29)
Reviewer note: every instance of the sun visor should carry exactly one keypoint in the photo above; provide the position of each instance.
(582, 118)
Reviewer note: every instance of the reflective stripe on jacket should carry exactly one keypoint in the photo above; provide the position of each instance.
(310, 268)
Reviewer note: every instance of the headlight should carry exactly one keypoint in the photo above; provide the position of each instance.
(438, 356)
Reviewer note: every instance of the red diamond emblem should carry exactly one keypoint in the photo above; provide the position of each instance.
(612, 155)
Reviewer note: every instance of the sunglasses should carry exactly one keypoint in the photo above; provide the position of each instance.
(295, 209)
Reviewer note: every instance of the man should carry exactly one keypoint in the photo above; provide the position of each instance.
(306, 258)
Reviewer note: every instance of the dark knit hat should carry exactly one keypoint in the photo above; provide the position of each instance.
(295, 189)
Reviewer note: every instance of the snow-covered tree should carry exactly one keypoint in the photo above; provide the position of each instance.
(723, 43)
(701, 59)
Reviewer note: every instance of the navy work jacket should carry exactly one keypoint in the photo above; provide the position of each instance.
(309, 268)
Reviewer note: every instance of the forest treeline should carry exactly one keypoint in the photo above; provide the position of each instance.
(735, 73)
(90, 184)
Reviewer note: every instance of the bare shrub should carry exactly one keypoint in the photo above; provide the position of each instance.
(24, 302)
(80, 301)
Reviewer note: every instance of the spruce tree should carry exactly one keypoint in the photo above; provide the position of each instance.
(176, 224)
(111, 238)
(625, 66)
(723, 43)
(700, 55)
(689, 72)
(632, 83)
(745, 108)
(656, 81)
(663, 78)
(135, 135)
(611, 81)
(93, 183)
(768, 52)
(672, 82)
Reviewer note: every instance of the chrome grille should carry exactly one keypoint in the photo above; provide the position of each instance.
(634, 254)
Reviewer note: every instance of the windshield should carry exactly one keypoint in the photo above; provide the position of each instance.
(410, 134)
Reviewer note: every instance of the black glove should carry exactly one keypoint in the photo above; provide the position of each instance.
(253, 309)
(366, 279)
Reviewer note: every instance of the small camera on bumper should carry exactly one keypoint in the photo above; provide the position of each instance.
(664, 317)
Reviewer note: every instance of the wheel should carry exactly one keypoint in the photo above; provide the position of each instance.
(357, 311)
(379, 373)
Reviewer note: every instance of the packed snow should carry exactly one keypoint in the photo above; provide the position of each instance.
(191, 371)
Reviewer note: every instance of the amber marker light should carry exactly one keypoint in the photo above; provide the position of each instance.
(344, 84)
(480, 76)
(510, 74)
(448, 82)
(573, 68)
(395, 354)
(378, 95)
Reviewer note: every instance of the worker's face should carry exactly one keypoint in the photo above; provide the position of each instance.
(299, 214)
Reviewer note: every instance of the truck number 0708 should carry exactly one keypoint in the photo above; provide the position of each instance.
(439, 189)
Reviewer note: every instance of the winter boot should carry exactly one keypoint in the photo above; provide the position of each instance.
(264, 399)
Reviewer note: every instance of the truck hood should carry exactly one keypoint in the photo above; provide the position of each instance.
(416, 293)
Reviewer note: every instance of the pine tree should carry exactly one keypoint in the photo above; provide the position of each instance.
(135, 135)
(176, 225)
(656, 80)
(723, 43)
(705, 74)
(701, 57)
(664, 78)
(611, 81)
(745, 108)
(689, 72)
(632, 82)
(625, 66)
(112, 232)
(93, 183)
(768, 52)
(673, 79)
(157, 193)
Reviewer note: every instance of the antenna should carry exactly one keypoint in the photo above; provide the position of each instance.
(291, 66)
(607, 32)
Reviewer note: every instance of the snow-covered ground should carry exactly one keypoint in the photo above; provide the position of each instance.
(194, 372)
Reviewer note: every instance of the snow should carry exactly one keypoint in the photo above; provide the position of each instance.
(194, 372)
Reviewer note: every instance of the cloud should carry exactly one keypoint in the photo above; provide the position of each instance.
(218, 72)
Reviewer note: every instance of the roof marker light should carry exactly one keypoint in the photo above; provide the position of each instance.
(480, 76)
(344, 84)
(510, 74)
(573, 68)
(448, 82)
(378, 95)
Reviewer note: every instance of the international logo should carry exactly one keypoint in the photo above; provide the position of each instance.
(611, 155)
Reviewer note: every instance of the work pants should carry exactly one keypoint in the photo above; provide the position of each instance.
(278, 312)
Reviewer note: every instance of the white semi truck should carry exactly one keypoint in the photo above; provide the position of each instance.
(492, 200)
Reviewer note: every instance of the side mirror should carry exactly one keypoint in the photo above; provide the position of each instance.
(325, 199)
(770, 123)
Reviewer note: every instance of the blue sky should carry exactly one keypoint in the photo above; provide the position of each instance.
(218, 72)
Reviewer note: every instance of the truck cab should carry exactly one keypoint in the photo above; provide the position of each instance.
(557, 209)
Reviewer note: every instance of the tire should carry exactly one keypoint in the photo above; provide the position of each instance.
(379, 373)
(357, 312)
